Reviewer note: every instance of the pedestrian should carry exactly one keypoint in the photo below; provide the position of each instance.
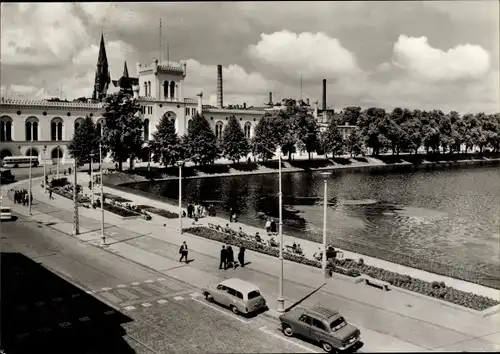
(183, 251)
(268, 226)
(223, 258)
(241, 256)
(69, 170)
(273, 226)
(230, 257)
(230, 214)
(190, 210)
(50, 194)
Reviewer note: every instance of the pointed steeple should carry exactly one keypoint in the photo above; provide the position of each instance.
(102, 76)
(125, 70)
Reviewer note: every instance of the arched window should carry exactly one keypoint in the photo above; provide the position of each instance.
(31, 129)
(28, 131)
(6, 128)
(165, 89)
(218, 129)
(146, 129)
(56, 129)
(248, 129)
(5, 153)
(56, 153)
(100, 126)
(35, 131)
(172, 89)
(32, 152)
(149, 88)
(189, 123)
(145, 89)
(78, 123)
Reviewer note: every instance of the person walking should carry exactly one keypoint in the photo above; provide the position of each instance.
(223, 258)
(241, 256)
(268, 226)
(230, 257)
(183, 252)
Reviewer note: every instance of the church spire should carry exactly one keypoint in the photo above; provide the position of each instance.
(125, 70)
(102, 77)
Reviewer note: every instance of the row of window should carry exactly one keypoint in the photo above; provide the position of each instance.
(190, 111)
(145, 109)
(169, 89)
(219, 128)
(31, 131)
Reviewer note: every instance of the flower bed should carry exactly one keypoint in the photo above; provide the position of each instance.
(115, 209)
(352, 268)
(161, 212)
(68, 193)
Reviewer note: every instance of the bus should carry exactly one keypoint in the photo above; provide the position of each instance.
(20, 161)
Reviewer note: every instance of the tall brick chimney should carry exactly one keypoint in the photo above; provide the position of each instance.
(324, 95)
(220, 98)
(270, 98)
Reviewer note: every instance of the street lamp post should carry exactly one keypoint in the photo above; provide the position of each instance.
(76, 221)
(44, 170)
(325, 206)
(58, 157)
(31, 182)
(103, 236)
(180, 163)
(91, 167)
(281, 299)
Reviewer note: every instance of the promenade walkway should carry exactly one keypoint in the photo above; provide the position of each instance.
(389, 321)
(309, 247)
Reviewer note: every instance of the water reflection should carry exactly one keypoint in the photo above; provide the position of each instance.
(450, 215)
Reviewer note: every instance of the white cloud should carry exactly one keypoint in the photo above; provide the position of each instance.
(312, 54)
(45, 34)
(237, 83)
(418, 58)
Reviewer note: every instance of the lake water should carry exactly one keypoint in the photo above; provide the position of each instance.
(451, 216)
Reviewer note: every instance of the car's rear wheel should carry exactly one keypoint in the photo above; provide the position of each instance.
(327, 347)
(234, 309)
(209, 297)
(288, 331)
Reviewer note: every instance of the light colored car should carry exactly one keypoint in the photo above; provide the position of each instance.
(240, 296)
(322, 325)
(5, 213)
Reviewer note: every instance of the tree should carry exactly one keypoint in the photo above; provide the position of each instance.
(166, 145)
(200, 143)
(351, 115)
(412, 127)
(332, 140)
(85, 141)
(265, 141)
(234, 144)
(371, 122)
(123, 131)
(354, 142)
(306, 130)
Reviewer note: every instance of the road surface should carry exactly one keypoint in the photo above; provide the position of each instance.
(63, 296)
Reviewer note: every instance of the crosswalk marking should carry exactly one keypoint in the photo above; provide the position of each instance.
(162, 301)
(146, 304)
(178, 298)
(195, 294)
(106, 289)
(129, 308)
(121, 286)
(149, 281)
(135, 283)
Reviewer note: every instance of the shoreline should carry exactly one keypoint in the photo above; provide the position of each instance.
(372, 165)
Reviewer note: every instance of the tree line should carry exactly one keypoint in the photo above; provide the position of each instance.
(290, 128)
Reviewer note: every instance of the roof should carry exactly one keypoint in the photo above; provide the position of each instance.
(323, 312)
(239, 284)
(54, 104)
(234, 110)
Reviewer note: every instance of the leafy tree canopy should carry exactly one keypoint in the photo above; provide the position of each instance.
(166, 146)
(234, 144)
(200, 143)
(85, 142)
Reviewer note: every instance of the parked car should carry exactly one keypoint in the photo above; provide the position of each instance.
(240, 296)
(322, 325)
(5, 213)
(6, 176)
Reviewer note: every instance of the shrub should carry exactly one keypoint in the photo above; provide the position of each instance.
(361, 261)
(351, 268)
(59, 182)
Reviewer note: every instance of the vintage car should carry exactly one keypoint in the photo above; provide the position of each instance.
(240, 296)
(322, 325)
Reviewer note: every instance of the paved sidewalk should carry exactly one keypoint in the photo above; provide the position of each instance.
(389, 320)
(309, 247)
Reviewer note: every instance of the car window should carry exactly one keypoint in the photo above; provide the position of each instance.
(253, 294)
(318, 324)
(338, 324)
(239, 295)
(221, 287)
(231, 291)
(305, 319)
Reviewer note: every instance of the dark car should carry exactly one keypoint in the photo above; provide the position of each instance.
(6, 176)
(322, 325)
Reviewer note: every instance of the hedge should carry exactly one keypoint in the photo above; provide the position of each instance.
(161, 212)
(352, 268)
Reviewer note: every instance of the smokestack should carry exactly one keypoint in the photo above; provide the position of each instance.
(220, 99)
(307, 101)
(324, 94)
(270, 98)
(244, 105)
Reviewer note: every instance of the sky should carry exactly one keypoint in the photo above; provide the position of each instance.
(418, 55)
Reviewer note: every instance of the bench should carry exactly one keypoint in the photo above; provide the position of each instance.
(383, 285)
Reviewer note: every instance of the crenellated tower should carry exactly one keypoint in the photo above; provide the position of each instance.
(102, 75)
